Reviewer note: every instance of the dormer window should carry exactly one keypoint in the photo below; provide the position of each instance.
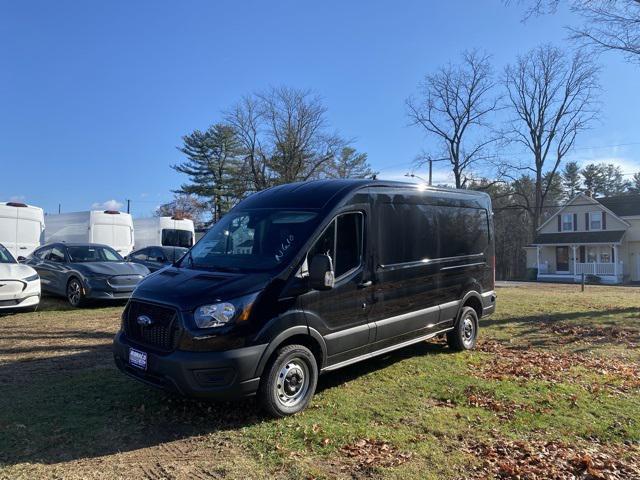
(595, 221)
(567, 222)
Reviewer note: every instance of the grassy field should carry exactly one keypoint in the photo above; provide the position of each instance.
(552, 391)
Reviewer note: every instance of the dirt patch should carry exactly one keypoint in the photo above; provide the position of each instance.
(369, 454)
(531, 364)
(539, 460)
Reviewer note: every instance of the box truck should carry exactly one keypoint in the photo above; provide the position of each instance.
(21, 228)
(109, 227)
(164, 231)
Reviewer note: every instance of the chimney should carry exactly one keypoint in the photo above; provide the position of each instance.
(588, 193)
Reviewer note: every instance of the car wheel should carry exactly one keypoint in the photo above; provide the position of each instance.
(289, 381)
(465, 334)
(75, 293)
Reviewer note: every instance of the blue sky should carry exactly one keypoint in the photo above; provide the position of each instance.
(94, 96)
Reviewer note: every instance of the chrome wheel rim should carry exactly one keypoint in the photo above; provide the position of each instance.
(74, 293)
(468, 331)
(292, 384)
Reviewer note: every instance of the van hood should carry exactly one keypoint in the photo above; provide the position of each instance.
(15, 271)
(188, 289)
(110, 268)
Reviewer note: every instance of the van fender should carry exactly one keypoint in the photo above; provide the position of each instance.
(282, 337)
(470, 294)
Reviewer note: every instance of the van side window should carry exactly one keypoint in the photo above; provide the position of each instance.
(436, 231)
(342, 241)
(462, 231)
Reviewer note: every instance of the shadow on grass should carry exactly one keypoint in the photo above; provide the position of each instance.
(79, 405)
(556, 317)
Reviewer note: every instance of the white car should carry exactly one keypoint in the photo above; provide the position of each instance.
(19, 284)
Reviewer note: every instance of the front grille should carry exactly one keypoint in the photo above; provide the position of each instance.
(161, 334)
(124, 280)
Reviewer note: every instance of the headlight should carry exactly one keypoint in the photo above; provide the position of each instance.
(220, 314)
(32, 278)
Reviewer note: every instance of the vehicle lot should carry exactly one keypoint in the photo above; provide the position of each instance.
(553, 390)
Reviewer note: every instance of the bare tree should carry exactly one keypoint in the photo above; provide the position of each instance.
(297, 127)
(284, 136)
(552, 99)
(453, 106)
(607, 24)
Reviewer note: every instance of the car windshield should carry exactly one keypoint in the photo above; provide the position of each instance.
(252, 240)
(174, 254)
(177, 238)
(90, 253)
(5, 255)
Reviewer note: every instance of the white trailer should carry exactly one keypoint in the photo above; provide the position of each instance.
(110, 227)
(21, 228)
(164, 231)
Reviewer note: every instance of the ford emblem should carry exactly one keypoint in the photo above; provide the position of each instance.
(144, 321)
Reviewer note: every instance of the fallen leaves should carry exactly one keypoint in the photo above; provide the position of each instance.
(537, 460)
(369, 454)
(532, 364)
(567, 333)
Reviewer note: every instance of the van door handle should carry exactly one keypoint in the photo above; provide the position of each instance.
(365, 284)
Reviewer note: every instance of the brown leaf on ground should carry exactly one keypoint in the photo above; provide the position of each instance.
(505, 410)
(370, 454)
(593, 334)
(534, 364)
(539, 460)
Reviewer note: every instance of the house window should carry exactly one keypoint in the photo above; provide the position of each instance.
(595, 221)
(567, 222)
(592, 254)
(605, 257)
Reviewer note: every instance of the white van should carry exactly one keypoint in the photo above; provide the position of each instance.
(164, 231)
(110, 227)
(21, 228)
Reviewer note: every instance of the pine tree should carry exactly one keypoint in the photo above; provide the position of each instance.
(212, 164)
(350, 164)
(571, 179)
(635, 185)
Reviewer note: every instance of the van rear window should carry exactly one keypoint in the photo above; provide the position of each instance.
(412, 233)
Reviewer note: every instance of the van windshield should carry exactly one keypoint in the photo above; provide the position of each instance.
(172, 237)
(5, 255)
(252, 240)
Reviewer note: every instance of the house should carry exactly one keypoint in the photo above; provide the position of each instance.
(594, 236)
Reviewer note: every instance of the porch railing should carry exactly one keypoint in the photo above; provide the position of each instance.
(595, 268)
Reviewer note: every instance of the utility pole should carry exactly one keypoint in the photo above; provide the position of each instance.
(430, 171)
(128, 206)
(59, 208)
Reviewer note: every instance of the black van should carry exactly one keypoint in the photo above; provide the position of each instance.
(306, 278)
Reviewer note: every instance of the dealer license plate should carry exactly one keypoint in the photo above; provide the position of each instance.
(137, 359)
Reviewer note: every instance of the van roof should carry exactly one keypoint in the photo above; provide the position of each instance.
(315, 194)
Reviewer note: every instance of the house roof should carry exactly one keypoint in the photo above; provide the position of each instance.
(564, 238)
(622, 205)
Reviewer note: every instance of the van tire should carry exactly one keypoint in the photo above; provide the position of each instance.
(464, 336)
(75, 293)
(289, 381)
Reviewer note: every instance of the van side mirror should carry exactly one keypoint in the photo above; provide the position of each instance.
(21, 259)
(321, 275)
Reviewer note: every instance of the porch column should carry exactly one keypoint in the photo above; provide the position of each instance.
(575, 259)
(616, 259)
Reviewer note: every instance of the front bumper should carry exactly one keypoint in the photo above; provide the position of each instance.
(212, 375)
(19, 303)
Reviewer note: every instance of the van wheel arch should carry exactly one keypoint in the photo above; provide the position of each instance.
(300, 335)
(471, 299)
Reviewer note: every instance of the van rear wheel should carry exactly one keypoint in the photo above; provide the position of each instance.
(289, 381)
(465, 334)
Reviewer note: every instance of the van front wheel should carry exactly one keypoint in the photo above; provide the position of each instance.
(289, 381)
(465, 334)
